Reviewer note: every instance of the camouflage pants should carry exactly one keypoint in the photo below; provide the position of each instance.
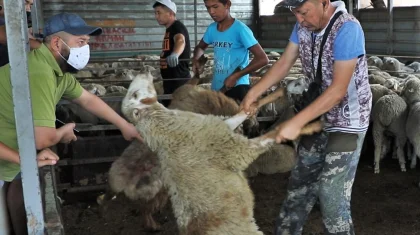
(322, 173)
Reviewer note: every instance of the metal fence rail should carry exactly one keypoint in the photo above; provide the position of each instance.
(18, 46)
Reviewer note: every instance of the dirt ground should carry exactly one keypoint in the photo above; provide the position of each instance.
(385, 203)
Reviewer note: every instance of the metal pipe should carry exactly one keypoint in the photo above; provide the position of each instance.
(18, 47)
(37, 19)
(74, 162)
(351, 6)
(390, 48)
(79, 189)
(195, 23)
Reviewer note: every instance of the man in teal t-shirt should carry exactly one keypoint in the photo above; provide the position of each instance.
(232, 40)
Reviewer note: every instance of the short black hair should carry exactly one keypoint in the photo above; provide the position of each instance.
(158, 4)
(224, 2)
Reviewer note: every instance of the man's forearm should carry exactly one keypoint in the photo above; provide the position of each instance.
(198, 52)
(99, 108)
(179, 46)
(9, 154)
(253, 66)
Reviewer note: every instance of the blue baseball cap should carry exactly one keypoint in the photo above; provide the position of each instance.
(69, 23)
(291, 3)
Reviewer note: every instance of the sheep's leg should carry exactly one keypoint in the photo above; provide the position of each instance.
(395, 149)
(234, 121)
(378, 140)
(309, 129)
(400, 152)
(416, 153)
(103, 201)
(413, 161)
(149, 223)
(411, 151)
(239, 118)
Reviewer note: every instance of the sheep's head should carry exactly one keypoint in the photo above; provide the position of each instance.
(391, 64)
(411, 91)
(392, 84)
(297, 86)
(375, 61)
(415, 66)
(141, 94)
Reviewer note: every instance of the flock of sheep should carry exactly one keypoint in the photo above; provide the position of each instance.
(155, 171)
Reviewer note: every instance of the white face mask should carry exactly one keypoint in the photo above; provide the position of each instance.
(79, 56)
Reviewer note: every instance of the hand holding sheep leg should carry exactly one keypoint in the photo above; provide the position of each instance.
(239, 118)
(248, 104)
(309, 129)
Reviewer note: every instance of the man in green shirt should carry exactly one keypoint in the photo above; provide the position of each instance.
(65, 50)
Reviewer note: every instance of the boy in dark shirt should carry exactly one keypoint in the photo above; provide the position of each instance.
(175, 46)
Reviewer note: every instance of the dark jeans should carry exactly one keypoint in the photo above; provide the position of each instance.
(16, 206)
(169, 86)
(238, 92)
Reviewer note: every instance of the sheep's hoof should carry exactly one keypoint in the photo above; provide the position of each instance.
(376, 170)
(413, 165)
(100, 199)
(403, 169)
(150, 224)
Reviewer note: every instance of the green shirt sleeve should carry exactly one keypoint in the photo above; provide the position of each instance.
(42, 83)
(73, 88)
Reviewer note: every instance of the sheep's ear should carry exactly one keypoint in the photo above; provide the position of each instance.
(411, 90)
(136, 113)
(396, 86)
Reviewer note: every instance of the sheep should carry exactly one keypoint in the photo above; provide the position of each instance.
(116, 89)
(294, 88)
(389, 115)
(378, 91)
(273, 55)
(415, 66)
(411, 94)
(95, 89)
(195, 99)
(83, 74)
(380, 73)
(202, 162)
(375, 61)
(376, 79)
(393, 84)
(260, 72)
(98, 69)
(136, 174)
(395, 67)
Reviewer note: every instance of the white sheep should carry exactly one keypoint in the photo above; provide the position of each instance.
(294, 89)
(415, 66)
(202, 162)
(389, 115)
(394, 84)
(116, 89)
(411, 94)
(375, 61)
(95, 89)
(376, 79)
(378, 91)
(395, 67)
